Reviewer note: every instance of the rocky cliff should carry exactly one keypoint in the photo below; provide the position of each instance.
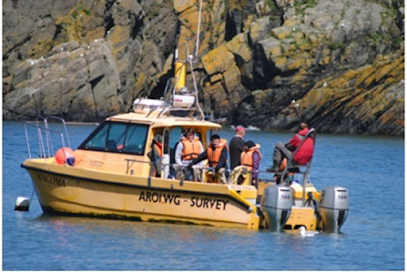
(338, 65)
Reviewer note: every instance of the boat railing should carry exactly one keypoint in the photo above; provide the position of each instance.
(189, 110)
(129, 164)
(198, 171)
(44, 136)
(161, 107)
(148, 106)
(64, 126)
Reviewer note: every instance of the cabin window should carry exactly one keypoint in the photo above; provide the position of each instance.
(118, 137)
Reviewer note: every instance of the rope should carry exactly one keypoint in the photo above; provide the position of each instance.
(31, 197)
(239, 171)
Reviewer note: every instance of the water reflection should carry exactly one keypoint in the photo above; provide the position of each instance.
(143, 230)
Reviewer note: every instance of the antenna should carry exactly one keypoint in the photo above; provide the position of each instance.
(198, 29)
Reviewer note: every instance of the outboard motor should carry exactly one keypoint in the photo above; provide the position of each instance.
(276, 205)
(334, 207)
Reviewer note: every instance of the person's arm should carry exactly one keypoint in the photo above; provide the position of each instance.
(200, 158)
(223, 159)
(241, 145)
(201, 163)
(256, 165)
(178, 153)
(157, 160)
(293, 143)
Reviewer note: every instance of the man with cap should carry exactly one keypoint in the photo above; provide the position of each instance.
(286, 150)
(236, 146)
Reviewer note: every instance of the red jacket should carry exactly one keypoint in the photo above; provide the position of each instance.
(304, 155)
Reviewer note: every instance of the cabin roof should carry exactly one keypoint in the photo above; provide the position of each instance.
(163, 121)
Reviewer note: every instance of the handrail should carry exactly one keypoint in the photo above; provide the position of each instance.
(27, 141)
(134, 160)
(40, 130)
(175, 165)
(64, 124)
(39, 135)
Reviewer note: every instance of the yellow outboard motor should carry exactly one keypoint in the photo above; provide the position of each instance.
(334, 208)
(276, 205)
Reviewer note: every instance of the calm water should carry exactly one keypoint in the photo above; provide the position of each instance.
(372, 168)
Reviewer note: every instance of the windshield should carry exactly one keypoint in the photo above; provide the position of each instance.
(118, 137)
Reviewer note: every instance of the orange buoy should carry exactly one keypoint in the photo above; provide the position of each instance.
(65, 155)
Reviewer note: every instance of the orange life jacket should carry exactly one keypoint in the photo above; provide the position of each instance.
(214, 155)
(159, 147)
(246, 157)
(191, 149)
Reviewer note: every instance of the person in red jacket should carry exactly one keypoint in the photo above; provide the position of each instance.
(302, 157)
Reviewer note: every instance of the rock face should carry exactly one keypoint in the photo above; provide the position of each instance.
(338, 65)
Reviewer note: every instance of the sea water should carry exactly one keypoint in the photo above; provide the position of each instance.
(372, 238)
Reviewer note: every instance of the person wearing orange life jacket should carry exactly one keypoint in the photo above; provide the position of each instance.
(155, 155)
(188, 149)
(302, 157)
(216, 154)
(251, 157)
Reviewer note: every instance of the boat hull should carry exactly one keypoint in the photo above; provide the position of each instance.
(113, 195)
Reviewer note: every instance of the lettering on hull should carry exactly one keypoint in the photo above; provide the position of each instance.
(159, 197)
(208, 203)
(51, 179)
(199, 202)
(96, 163)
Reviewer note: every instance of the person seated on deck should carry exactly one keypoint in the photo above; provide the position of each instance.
(251, 157)
(188, 149)
(155, 155)
(302, 157)
(217, 155)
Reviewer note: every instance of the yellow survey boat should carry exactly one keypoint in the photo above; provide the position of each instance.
(109, 175)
